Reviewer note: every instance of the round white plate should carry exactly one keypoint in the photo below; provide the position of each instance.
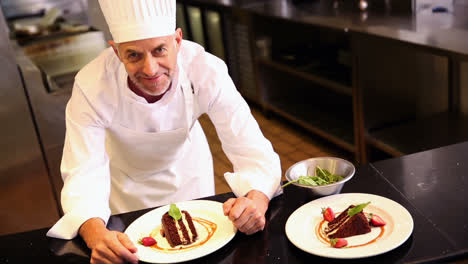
(209, 210)
(303, 226)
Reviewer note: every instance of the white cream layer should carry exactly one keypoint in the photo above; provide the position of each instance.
(179, 230)
(336, 229)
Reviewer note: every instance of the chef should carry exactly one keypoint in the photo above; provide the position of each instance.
(132, 136)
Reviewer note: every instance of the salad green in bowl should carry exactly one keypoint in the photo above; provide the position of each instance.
(320, 176)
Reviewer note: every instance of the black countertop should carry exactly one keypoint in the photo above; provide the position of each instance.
(430, 185)
(447, 32)
(431, 180)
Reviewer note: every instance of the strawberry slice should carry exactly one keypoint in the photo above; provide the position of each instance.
(376, 220)
(338, 242)
(328, 214)
(147, 241)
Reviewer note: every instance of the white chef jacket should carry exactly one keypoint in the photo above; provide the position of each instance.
(114, 157)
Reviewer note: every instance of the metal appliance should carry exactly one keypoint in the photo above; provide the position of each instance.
(27, 199)
(48, 62)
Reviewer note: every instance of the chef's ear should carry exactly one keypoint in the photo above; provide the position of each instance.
(115, 47)
(178, 38)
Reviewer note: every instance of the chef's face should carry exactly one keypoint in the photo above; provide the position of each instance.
(150, 63)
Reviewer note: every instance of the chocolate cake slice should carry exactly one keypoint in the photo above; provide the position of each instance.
(346, 226)
(181, 232)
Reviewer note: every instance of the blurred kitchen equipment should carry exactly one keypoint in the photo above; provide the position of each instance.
(14, 9)
(363, 5)
(27, 27)
(50, 17)
(264, 47)
(307, 167)
(52, 40)
(27, 196)
(34, 29)
(61, 58)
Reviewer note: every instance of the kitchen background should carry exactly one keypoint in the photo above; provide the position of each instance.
(361, 80)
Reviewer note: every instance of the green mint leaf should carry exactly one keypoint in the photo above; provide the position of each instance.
(357, 209)
(174, 212)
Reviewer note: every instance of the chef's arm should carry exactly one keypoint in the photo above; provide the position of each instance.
(84, 168)
(257, 170)
(256, 165)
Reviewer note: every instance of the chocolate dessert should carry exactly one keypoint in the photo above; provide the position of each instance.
(179, 232)
(346, 226)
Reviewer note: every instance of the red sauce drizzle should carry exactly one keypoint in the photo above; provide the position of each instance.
(324, 239)
(208, 225)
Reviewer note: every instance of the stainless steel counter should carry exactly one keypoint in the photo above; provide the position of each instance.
(36, 87)
(48, 98)
(25, 189)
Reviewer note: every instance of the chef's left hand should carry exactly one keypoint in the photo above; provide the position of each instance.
(247, 213)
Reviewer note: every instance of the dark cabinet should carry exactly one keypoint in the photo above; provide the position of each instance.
(346, 78)
(305, 75)
(411, 97)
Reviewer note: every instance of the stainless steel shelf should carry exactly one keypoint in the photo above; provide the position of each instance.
(333, 85)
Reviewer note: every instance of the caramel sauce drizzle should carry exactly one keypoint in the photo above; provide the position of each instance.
(208, 225)
(324, 239)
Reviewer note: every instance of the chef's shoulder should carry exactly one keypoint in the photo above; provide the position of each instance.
(97, 83)
(102, 73)
(201, 66)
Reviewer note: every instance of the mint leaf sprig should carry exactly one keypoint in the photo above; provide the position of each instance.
(174, 212)
(357, 209)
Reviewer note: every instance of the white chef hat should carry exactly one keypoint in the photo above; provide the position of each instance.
(130, 20)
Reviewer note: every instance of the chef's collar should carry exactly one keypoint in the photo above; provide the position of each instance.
(149, 98)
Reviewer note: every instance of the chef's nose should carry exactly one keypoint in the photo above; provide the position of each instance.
(150, 66)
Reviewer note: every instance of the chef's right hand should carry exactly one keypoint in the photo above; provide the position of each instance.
(107, 246)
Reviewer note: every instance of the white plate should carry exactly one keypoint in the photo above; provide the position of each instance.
(208, 210)
(303, 226)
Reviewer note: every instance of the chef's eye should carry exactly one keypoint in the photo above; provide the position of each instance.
(133, 56)
(160, 51)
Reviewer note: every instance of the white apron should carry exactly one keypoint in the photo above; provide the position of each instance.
(151, 169)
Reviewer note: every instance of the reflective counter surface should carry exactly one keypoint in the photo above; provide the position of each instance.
(430, 185)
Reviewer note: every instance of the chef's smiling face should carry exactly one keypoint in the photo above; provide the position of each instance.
(150, 63)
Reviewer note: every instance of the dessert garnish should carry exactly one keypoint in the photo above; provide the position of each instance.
(328, 214)
(376, 220)
(174, 212)
(338, 242)
(147, 241)
(357, 209)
